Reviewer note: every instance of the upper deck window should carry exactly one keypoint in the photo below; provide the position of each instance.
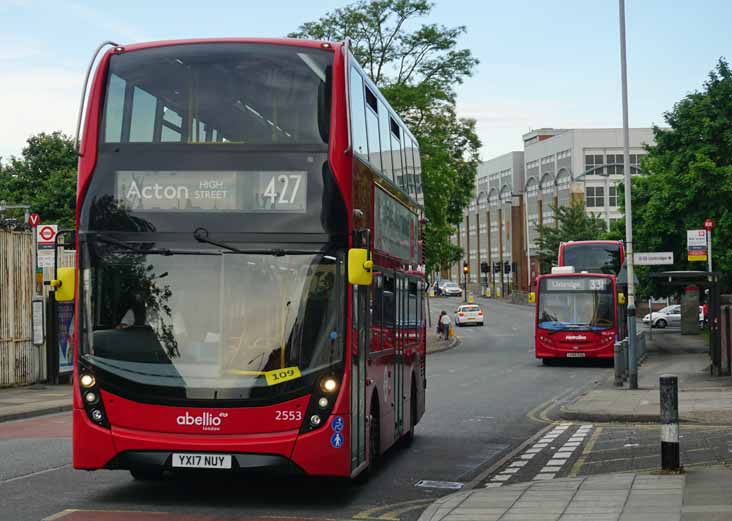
(235, 93)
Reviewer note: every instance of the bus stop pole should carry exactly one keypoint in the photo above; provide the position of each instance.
(632, 355)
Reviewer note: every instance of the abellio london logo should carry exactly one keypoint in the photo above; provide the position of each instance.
(206, 420)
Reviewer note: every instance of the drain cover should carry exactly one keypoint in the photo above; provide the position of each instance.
(450, 485)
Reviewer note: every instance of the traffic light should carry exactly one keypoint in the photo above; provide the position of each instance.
(484, 267)
(466, 268)
(506, 267)
(496, 267)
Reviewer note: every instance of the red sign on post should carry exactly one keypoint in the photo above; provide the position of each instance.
(34, 219)
(708, 225)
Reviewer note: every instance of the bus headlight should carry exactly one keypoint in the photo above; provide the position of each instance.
(329, 384)
(87, 380)
(323, 403)
(91, 397)
(315, 420)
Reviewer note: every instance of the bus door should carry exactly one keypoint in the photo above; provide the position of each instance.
(401, 295)
(360, 335)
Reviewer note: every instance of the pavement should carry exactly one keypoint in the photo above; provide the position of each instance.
(34, 400)
(703, 399)
(697, 495)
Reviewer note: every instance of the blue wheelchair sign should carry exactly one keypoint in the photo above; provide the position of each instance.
(337, 440)
(337, 424)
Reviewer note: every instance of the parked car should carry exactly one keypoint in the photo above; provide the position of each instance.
(468, 314)
(668, 316)
(450, 289)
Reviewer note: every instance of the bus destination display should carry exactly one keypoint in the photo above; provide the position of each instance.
(577, 284)
(234, 191)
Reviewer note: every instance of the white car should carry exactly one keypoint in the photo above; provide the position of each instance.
(451, 289)
(468, 314)
(668, 316)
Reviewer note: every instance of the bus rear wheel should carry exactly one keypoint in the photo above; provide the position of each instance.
(408, 437)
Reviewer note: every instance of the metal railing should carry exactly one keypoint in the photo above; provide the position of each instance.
(621, 357)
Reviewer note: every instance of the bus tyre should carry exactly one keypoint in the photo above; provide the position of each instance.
(661, 323)
(547, 361)
(409, 435)
(147, 474)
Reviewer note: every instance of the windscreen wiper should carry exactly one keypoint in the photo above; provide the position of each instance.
(201, 235)
(109, 240)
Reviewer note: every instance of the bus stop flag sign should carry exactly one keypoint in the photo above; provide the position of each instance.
(696, 245)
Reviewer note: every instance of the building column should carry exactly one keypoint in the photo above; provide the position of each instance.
(555, 202)
(500, 246)
(477, 245)
(539, 221)
(518, 255)
(467, 249)
(490, 254)
(459, 268)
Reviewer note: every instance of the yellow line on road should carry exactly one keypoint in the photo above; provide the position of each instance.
(368, 513)
(588, 448)
(394, 515)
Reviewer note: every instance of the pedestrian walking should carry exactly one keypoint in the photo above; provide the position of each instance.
(445, 322)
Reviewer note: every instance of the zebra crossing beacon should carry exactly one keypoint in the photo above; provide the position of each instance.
(250, 270)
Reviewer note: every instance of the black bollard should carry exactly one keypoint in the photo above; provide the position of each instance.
(669, 388)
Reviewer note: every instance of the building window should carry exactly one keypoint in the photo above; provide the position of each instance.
(593, 161)
(594, 197)
(617, 160)
(612, 194)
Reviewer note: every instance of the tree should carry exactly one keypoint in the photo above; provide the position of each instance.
(573, 224)
(687, 178)
(44, 177)
(417, 69)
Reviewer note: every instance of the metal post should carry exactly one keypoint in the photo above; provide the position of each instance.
(625, 359)
(628, 207)
(650, 323)
(669, 389)
(709, 251)
(618, 363)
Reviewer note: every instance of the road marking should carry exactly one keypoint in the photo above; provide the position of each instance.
(412, 504)
(543, 476)
(501, 477)
(588, 448)
(493, 485)
(32, 474)
(541, 445)
(518, 464)
(557, 461)
(551, 469)
(527, 456)
(510, 470)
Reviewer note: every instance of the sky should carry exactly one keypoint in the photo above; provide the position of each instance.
(542, 64)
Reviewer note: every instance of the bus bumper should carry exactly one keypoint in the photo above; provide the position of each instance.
(287, 452)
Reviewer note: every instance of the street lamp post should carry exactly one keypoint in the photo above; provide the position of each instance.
(633, 366)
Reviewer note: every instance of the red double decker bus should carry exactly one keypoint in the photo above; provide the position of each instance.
(249, 287)
(576, 316)
(593, 256)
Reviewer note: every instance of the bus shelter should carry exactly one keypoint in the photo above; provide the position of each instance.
(704, 280)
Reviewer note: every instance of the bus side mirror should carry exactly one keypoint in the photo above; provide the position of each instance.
(65, 284)
(532, 297)
(359, 267)
(621, 298)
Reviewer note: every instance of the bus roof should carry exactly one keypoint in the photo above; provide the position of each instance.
(313, 44)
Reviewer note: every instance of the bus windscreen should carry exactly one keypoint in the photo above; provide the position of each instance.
(575, 303)
(593, 258)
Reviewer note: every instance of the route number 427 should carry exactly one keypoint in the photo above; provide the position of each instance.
(288, 415)
(289, 186)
